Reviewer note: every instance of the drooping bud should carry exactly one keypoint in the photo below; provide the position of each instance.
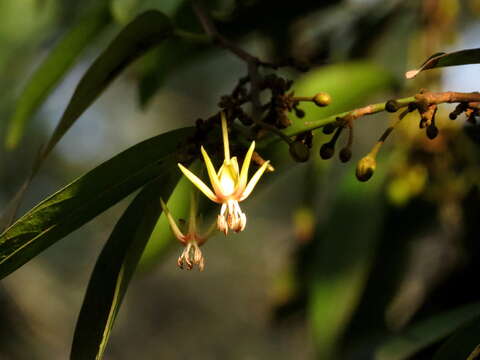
(328, 129)
(299, 151)
(365, 168)
(322, 99)
(432, 131)
(345, 154)
(460, 108)
(327, 150)
(299, 113)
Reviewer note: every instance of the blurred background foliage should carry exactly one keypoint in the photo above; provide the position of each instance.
(328, 268)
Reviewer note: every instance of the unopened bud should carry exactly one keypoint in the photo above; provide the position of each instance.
(345, 154)
(412, 106)
(365, 168)
(327, 151)
(322, 99)
(328, 129)
(392, 106)
(299, 151)
(432, 132)
(299, 113)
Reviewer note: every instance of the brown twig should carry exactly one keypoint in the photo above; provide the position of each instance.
(253, 64)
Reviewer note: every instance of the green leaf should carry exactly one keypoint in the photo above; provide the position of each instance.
(143, 33)
(125, 10)
(343, 255)
(115, 267)
(462, 343)
(462, 57)
(426, 333)
(53, 68)
(171, 55)
(86, 197)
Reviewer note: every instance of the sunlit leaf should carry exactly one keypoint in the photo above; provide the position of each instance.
(426, 333)
(54, 67)
(462, 57)
(462, 343)
(86, 197)
(144, 32)
(115, 268)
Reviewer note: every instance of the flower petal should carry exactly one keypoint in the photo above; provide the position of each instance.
(234, 163)
(253, 181)
(245, 167)
(199, 183)
(226, 146)
(173, 225)
(212, 174)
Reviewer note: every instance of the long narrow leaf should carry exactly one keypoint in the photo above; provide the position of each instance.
(462, 57)
(115, 267)
(462, 343)
(54, 67)
(86, 197)
(143, 33)
(344, 256)
(426, 333)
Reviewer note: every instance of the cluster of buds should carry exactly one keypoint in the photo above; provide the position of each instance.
(471, 110)
(327, 150)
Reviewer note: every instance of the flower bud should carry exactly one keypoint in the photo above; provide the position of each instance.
(432, 132)
(392, 106)
(299, 151)
(299, 113)
(322, 99)
(345, 154)
(326, 151)
(365, 168)
(328, 129)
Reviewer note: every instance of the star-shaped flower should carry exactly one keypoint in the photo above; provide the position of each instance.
(230, 184)
(192, 240)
